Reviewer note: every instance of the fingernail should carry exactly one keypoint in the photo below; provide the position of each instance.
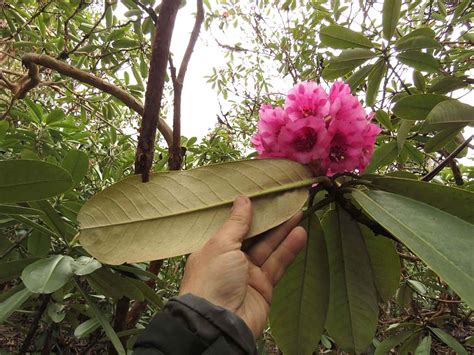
(241, 201)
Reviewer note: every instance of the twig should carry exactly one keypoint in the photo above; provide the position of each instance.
(445, 162)
(34, 324)
(154, 89)
(176, 155)
(149, 10)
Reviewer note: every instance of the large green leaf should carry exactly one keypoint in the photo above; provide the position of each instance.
(383, 156)
(419, 60)
(442, 138)
(48, 275)
(385, 263)
(177, 212)
(449, 340)
(417, 42)
(300, 300)
(424, 347)
(30, 180)
(402, 134)
(374, 80)
(392, 341)
(449, 113)
(351, 58)
(341, 37)
(77, 163)
(358, 77)
(353, 310)
(445, 84)
(14, 302)
(391, 15)
(417, 107)
(444, 242)
(449, 199)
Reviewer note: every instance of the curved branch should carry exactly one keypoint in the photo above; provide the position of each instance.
(87, 78)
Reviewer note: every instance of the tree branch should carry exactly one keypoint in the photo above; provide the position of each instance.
(65, 69)
(154, 90)
(176, 155)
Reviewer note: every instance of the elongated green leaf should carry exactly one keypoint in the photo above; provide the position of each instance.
(391, 15)
(330, 73)
(300, 300)
(340, 37)
(384, 347)
(419, 80)
(11, 304)
(39, 244)
(442, 138)
(448, 113)
(86, 328)
(419, 60)
(356, 79)
(109, 331)
(30, 180)
(449, 199)
(85, 265)
(353, 310)
(402, 134)
(445, 84)
(48, 275)
(76, 163)
(177, 212)
(444, 242)
(424, 348)
(111, 284)
(449, 340)
(374, 80)
(53, 219)
(384, 119)
(417, 42)
(24, 211)
(383, 156)
(417, 107)
(385, 263)
(351, 58)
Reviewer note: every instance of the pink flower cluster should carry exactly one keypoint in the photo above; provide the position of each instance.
(331, 133)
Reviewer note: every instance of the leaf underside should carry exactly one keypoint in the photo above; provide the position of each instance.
(175, 213)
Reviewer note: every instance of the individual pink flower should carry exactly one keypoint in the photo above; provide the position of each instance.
(345, 107)
(306, 99)
(305, 140)
(269, 127)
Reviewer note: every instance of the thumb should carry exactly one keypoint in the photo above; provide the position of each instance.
(236, 227)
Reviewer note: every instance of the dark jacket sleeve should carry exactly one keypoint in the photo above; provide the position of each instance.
(191, 325)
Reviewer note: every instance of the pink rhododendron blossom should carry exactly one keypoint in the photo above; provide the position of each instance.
(330, 133)
(306, 99)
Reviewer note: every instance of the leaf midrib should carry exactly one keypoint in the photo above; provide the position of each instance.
(281, 188)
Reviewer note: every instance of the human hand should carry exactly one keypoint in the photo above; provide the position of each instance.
(223, 274)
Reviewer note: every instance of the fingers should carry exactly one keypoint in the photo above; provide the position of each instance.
(260, 252)
(236, 227)
(284, 255)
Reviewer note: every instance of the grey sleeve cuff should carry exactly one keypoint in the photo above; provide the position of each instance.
(210, 321)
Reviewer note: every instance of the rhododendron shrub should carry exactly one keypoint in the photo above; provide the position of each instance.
(332, 133)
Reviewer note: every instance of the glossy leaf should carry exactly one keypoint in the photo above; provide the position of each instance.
(341, 37)
(30, 180)
(385, 263)
(449, 340)
(177, 212)
(48, 275)
(85, 265)
(419, 60)
(12, 303)
(424, 348)
(417, 107)
(300, 299)
(86, 328)
(76, 163)
(391, 15)
(353, 310)
(447, 198)
(446, 250)
(445, 84)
